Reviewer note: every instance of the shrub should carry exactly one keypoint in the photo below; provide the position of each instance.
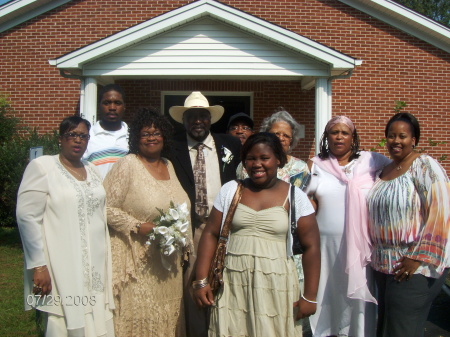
(8, 123)
(15, 143)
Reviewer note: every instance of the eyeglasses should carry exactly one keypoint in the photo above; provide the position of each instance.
(282, 135)
(146, 135)
(243, 128)
(72, 136)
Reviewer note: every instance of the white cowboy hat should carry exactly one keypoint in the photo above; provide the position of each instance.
(193, 101)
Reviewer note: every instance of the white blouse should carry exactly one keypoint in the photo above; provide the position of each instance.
(62, 223)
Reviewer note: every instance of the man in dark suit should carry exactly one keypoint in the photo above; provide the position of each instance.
(221, 154)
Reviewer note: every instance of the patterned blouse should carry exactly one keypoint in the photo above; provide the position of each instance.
(294, 172)
(409, 216)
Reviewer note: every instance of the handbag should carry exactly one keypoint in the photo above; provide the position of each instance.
(296, 246)
(215, 274)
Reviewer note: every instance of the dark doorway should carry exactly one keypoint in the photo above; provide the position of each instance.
(232, 105)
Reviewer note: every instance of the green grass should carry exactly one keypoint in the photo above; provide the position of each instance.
(14, 321)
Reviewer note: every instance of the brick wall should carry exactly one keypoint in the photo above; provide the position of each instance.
(395, 66)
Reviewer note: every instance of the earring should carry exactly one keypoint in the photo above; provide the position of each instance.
(413, 146)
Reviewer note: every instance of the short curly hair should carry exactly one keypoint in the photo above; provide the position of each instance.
(270, 140)
(148, 117)
(281, 115)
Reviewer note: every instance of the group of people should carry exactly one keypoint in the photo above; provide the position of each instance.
(373, 231)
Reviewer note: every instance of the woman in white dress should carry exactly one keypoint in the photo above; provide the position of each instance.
(341, 176)
(61, 213)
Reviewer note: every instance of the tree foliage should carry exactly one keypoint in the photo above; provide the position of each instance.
(438, 10)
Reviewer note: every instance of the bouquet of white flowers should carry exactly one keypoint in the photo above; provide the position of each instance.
(171, 230)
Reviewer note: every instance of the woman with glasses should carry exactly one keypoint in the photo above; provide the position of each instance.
(285, 127)
(62, 222)
(148, 288)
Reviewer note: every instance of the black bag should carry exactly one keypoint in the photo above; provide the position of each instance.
(296, 246)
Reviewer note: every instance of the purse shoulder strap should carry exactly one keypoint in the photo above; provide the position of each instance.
(292, 215)
(227, 224)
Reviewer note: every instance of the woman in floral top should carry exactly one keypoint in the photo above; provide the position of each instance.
(409, 227)
(285, 127)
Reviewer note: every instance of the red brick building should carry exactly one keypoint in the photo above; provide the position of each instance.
(316, 58)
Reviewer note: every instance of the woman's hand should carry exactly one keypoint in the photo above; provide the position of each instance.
(42, 283)
(305, 309)
(146, 228)
(204, 297)
(405, 268)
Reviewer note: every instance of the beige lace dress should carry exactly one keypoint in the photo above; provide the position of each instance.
(148, 297)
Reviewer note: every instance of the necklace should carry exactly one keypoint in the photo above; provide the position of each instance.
(399, 167)
(348, 167)
(81, 177)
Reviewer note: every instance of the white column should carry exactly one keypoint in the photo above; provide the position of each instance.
(88, 102)
(323, 108)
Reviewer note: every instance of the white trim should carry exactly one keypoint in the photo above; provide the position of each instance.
(409, 21)
(190, 12)
(90, 100)
(16, 12)
(322, 109)
(406, 20)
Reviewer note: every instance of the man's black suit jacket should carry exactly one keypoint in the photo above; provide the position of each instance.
(183, 167)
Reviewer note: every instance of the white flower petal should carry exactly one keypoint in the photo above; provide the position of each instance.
(169, 240)
(161, 230)
(183, 208)
(169, 250)
(174, 214)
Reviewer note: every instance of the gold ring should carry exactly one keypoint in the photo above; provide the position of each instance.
(36, 287)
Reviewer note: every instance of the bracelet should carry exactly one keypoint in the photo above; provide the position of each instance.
(199, 286)
(309, 301)
(200, 283)
(138, 226)
(40, 269)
